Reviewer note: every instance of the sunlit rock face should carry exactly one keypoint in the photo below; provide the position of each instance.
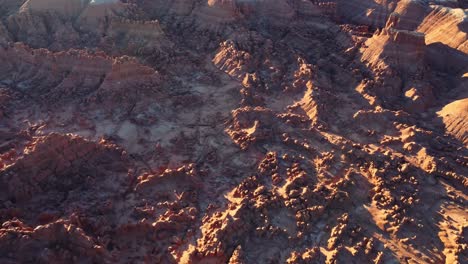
(455, 118)
(448, 26)
(233, 131)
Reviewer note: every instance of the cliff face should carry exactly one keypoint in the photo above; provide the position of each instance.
(448, 26)
(233, 131)
(454, 116)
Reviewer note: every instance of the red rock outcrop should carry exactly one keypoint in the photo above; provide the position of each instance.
(397, 48)
(229, 131)
(59, 163)
(446, 25)
(454, 117)
(94, 78)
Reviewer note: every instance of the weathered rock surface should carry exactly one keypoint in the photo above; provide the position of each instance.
(233, 131)
(443, 22)
(454, 116)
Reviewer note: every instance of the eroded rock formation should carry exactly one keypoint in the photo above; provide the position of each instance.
(233, 131)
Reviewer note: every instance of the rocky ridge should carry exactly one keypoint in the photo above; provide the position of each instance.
(229, 131)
